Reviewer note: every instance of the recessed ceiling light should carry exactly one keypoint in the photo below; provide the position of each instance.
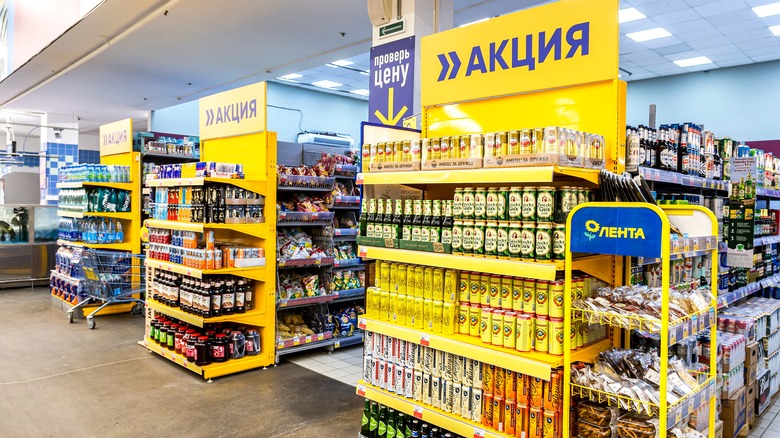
(342, 63)
(690, 62)
(775, 30)
(290, 76)
(650, 34)
(326, 84)
(474, 22)
(362, 92)
(767, 10)
(365, 73)
(629, 14)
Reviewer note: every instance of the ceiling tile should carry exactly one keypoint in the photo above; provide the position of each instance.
(710, 43)
(662, 42)
(627, 45)
(669, 50)
(749, 35)
(774, 50)
(638, 56)
(637, 26)
(726, 48)
(651, 60)
(733, 56)
(702, 67)
(701, 34)
(764, 58)
(698, 2)
(689, 26)
(660, 7)
(730, 18)
(683, 55)
(734, 62)
(719, 7)
(681, 16)
(752, 3)
(760, 43)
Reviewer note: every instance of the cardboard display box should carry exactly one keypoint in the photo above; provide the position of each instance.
(751, 354)
(762, 400)
(733, 413)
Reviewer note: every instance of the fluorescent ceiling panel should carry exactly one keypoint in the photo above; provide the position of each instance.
(326, 84)
(690, 62)
(650, 34)
(290, 77)
(361, 92)
(629, 14)
(474, 22)
(775, 30)
(342, 63)
(767, 10)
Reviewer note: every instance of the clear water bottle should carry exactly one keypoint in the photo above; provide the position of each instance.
(120, 236)
(111, 233)
(102, 233)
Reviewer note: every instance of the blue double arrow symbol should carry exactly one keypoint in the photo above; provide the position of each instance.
(445, 65)
(209, 117)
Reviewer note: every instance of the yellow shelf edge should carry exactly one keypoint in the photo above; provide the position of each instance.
(212, 370)
(484, 176)
(256, 230)
(200, 322)
(514, 268)
(452, 422)
(199, 273)
(531, 363)
(81, 214)
(589, 352)
(258, 186)
(112, 246)
(172, 356)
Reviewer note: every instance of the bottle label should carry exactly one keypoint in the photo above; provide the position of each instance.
(515, 205)
(425, 234)
(407, 232)
(527, 243)
(387, 231)
(457, 205)
(446, 235)
(545, 205)
(216, 302)
(529, 205)
(491, 240)
(491, 205)
(240, 299)
(468, 238)
(227, 301)
(370, 230)
(434, 234)
(468, 205)
(457, 238)
(478, 242)
(502, 240)
(543, 244)
(514, 242)
(416, 234)
(559, 243)
(480, 201)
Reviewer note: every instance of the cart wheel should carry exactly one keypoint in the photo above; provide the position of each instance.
(137, 309)
(70, 317)
(90, 323)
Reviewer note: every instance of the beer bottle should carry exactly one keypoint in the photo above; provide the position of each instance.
(364, 426)
(749, 187)
(446, 223)
(373, 422)
(406, 234)
(381, 431)
(397, 219)
(371, 218)
(379, 221)
(240, 297)
(391, 429)
(642, 148)
(402, 427)
(435, 432)
(387, 224)
(435, 233)
(653, 147)
(741, 189)
(417, 220)
(363, 216)
(425, 431)
(425, 229)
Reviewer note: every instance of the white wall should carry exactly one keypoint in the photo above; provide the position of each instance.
(320, 112)
(740, 102)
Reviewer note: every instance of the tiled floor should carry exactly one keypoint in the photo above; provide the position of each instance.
(769, 424)
(344, 364)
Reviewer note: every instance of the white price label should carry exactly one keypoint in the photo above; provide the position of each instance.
(418, 412)
(479, 433)
(425, 340)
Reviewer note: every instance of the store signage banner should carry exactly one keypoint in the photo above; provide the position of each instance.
(116, 138)
(741, 220)
(233, 112)
(557, 45)
(391, 96)
(626, 231)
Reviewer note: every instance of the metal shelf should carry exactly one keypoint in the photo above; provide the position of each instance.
(246, 317)
(255, 273)
(213, 370)
(82, 214)
(480, 177)
(730, 298)
(111, 185)
(663, 176)
(111, 246)
(256, 230)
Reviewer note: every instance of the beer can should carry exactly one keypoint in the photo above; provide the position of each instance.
(478, 239)
(535, 391)
(411, 280)
(448, 396)
(458, 366)
(384, 305)
(499, 382)
(448, 319)
(399, 379)
(383, 274)
(468, 203)
(469, 370)
(494, 286)
(523, 388)
(545, 204)
(488, 375)
(401, 310)
(503, 199)
(368, 368)
(419, 281)
(553, 392)
(437, 290)
(486, 322)
(502, 240)
(419, 320)
(368, 342)
(515, 241)
(542, 339)
(515, 204)
(408, 382)
(510, 422)
(475, 317)
(457, 236)
(436, 389)
(465, 402)
(463, 287)
(582, 196)
(378, 345)
(467, 238)
(509, 327)
(445, 147)
(387, 348)
(507, 299)
(522, 422)
(548, 427)
(578, 288)
(497, 328)
(557, 289)
(451, 286)
(375, 371)
(543, 249)
(419, 358)
(474, 289)
(418, 385)
(477, 146)
(525, 141)
(463, 147)
(484, 289)
(502, 143)
(480, 203)
(524, 333)
(542, 298)
(436, 316)
(528, 241)
(567, 199)
(457, 203)
(476, 405)
(528, 206)
(457, 398)
(487, 409)
(536, 422)
(556, 336)
(382, 374)
(510, 381)
(478, 379)
(426, 389)
(413, 355)
(428, 315)
(559, 242)
(529, 296)
(401, 278)
(498, 413)
(428, 283)
(394, 307)
(491, 203)
(513, 143)
(517, 294)
(410, 309)
(393, 277)
(403, 350)
(491, 239)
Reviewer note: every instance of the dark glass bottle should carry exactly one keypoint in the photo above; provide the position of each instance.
(229, 298)
(387, 220)
(373, 422)
(364, 425)
(240, 297)
(406, 234)
(216, 298)
(371, 218)
(435, 231)
(363, 216)
(398, 213)
(391, 430)
(417, 220)
(382, 427)
(642, 145)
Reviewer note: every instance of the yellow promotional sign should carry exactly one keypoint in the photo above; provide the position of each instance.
(556, 45)
(116, 138)
(233, 112)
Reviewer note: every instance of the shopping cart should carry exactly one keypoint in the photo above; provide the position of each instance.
(110, 277)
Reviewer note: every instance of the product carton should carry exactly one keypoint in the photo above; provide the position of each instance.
(751, 372)
(733, 414)
(762, 400)
(751, 354)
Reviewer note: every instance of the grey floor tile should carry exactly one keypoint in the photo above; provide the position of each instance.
(770, 434)
(756, 433)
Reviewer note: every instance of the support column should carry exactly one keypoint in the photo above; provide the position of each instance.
(59, 140)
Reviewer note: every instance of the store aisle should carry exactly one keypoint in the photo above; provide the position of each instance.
(769, 425)
(61, 379)
(344, 365)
